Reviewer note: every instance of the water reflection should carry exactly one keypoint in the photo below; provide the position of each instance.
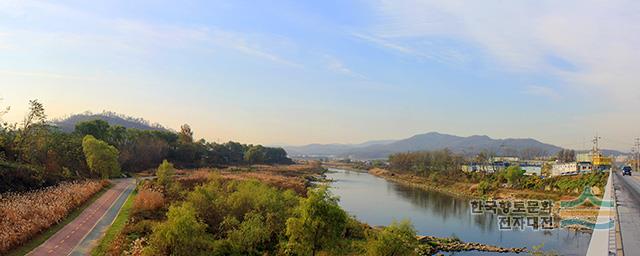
(378, 202)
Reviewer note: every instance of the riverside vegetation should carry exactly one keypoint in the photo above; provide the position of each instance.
(440, 170)
(242, 211)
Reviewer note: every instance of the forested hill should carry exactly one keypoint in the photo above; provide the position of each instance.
(68, 124)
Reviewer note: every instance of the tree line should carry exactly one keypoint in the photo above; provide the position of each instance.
(35, 154)
(426, 162)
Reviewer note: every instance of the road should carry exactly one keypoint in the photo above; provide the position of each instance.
(628, 200)
(82, 234)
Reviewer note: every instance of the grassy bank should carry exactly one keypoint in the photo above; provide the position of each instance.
(459, 190)
(44, 236)
(116, 227)
(472, 190)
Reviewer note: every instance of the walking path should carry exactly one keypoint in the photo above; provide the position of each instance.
(79, 236)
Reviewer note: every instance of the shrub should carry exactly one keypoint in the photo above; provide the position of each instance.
(484, 187)
(181, 235)
(148, 200)
(318, 223)
(513, 174)
(395, 239)
(354, 229)
(165, 173)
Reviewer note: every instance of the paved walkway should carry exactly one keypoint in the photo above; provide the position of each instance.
(79, 236)
(628, 195)
(599, 244)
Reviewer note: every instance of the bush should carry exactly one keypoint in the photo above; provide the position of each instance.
(148, 200)
(513, 174)
(19, 177)
(318, 223)
(165, 174)
(181, 235)
(484, 187)
(250, 235)
(354, 229)
(395, 239)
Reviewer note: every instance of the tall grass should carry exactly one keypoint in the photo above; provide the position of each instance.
(24, 215)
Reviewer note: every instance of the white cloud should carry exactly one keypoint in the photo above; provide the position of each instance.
(431, 52)
(542, 91)
(600, 38)
(337, 66)
(128, 36)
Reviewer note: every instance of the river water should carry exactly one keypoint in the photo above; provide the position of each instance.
(378, 202)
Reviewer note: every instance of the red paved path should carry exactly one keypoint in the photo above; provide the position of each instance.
(63, 242)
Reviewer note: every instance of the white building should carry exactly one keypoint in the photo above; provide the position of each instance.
(534, 170)
(509, 159)
(564, 169)
(478, 168)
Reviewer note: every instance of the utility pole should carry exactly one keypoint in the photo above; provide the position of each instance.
(636, 155)
(595, 144)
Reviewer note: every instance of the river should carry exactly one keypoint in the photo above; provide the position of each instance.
(378, 202)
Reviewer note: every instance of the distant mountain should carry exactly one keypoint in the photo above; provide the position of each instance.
(429, 141)
(68, 124)
(331, 150)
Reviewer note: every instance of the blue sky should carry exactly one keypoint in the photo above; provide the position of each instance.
(297, 72)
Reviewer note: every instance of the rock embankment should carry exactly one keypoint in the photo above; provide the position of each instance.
(455, 245)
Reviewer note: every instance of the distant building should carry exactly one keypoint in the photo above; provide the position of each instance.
(473, 167)
(560, 169)
(509, 159)
(584, 167)
(533, 170)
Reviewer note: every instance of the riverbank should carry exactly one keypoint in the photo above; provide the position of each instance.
(587, 212)
(379, 201)
(468, 190)
(456, 189)
(437, 245)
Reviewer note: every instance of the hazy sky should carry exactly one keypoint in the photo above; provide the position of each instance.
(297, 72)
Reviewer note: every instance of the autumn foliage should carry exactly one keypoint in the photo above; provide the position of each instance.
(24, 215)
(148, 200)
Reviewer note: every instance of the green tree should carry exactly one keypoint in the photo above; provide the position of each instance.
(186, 134)
(513, 174)
(255, 154)
(97, 128)
(31, 138)
(247, 238)
(394, 240)
(101, 157)
(318, 223)
(182, 234)
(165, 173)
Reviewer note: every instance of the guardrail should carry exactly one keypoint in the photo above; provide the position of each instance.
(603, 240)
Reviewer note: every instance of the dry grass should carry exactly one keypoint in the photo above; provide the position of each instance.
(148, 200)
(282, 176)
(24, 215)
